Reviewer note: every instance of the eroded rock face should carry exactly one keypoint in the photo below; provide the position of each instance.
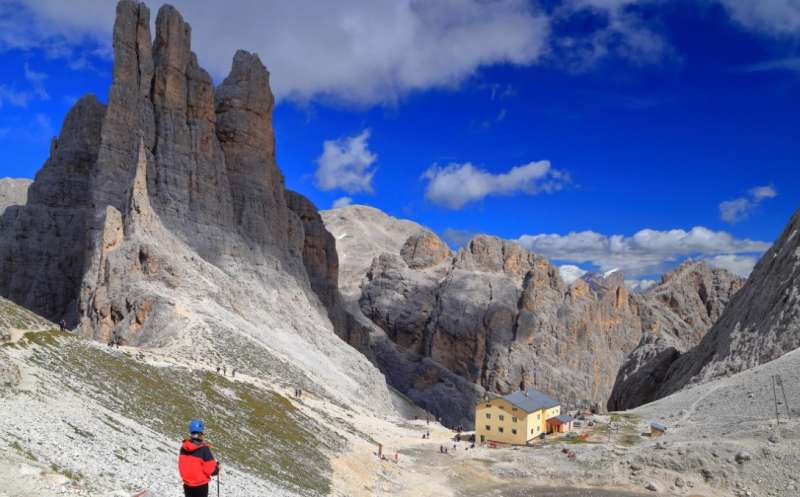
(163, 221)
(424, 250)
(502, 318)
(675, 315)
(499, 318)
(43, 244)
(13, 192)
(761, 323)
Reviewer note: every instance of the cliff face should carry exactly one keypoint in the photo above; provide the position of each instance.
(162, 220)
(43, 244)
(492, 317)
(501, 317)
(13, 192)
(675, 315)
(761, 323)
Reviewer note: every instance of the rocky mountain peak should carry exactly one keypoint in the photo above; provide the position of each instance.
(13, 192)
(675, 315)
(423, 250)
(163, 218)
(761, 323)
(604, 283)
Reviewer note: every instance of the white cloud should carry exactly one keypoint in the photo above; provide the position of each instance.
(740, 265)
(761, 192)
(791, 64)
(341, 202)
(357, 51)
(775, 17)
(456, 185)
(738, 209)
(646, 252)
(640, 285)
(36, 79)
(617, 30)
(345, 164)
(570, 273)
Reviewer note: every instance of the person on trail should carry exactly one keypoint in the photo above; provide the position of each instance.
(224, 371)
(195, 462)
(63, 325)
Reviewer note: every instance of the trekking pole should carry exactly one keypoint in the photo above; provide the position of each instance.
(219, 473)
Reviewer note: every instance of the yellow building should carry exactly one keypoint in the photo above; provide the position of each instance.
(516, 418)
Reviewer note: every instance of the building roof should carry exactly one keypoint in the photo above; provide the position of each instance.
(531, 400)
(658, 426)
(560, 420)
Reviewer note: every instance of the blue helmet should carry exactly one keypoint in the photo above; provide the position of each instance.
(197, 426)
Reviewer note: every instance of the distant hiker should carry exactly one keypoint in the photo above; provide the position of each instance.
(396, 457)
(441, 449)
(218, 368)
(63, 325)
(429, 435)
(233, 373)
(195, 462)
(224, 371)
(380, 451)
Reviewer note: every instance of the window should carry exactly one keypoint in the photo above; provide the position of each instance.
(500, 429)
(513, 408)
(488, 416)
(488, 405)
(502, 417)
(514, 419)
(489, 428)
(513, 431)
(501, 407)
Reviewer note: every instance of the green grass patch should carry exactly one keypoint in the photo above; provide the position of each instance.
(17, 317)
(256, 430)
(22, 450)
(71, 475)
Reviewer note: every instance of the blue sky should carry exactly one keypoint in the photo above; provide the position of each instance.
(585, 120)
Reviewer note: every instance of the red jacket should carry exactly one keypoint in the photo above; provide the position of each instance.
(196, 463)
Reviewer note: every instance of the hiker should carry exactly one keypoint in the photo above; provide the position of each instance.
(195, 462)
(441, 449)
(233, 373)
(63, 325)
(224, 371)
(218, 369)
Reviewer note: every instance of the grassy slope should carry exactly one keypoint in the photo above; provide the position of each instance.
(14, 316)
(256, 430)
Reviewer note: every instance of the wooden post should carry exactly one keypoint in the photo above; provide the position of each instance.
(785, 401)
(775, 395)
